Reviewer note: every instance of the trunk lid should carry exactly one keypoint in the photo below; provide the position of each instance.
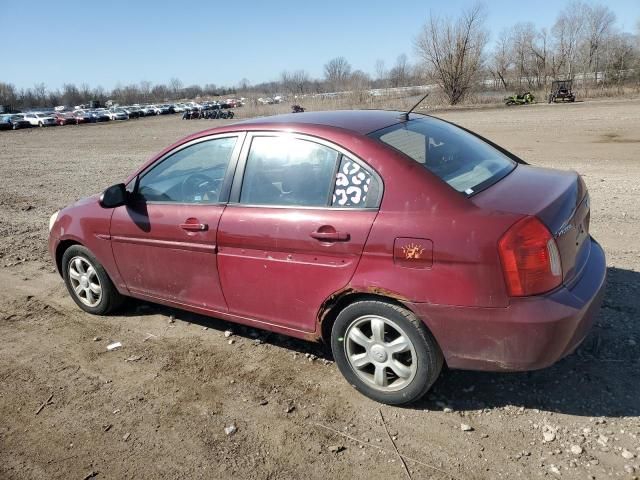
(558, 198)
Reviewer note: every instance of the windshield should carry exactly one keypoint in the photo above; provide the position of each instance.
(459, 158)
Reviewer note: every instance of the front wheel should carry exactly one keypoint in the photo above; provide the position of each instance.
(385, 352)
(88, 282)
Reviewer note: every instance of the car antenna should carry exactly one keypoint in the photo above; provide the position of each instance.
(405, 116)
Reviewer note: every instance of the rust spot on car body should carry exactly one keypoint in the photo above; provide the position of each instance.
(386, 293)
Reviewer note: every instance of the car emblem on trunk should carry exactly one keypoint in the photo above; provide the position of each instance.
(563, 230)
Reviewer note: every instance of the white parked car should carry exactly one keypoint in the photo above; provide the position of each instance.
(151, 110)
(194, 105)
(118, 114)
(40, 119)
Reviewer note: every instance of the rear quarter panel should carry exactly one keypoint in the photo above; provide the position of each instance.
(465, 269)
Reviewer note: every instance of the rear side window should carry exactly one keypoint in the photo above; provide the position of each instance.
(284, 171)
(462, 160)
(353, 185)
(288, 171)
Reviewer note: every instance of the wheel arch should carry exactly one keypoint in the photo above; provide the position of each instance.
(62, 247)
(333, 305)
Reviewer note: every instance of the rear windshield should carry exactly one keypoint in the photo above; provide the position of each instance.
(459, 158)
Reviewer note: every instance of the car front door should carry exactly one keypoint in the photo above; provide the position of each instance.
(164, 239)
(295, 228)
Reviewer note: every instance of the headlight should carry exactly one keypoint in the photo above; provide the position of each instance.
(52, 219)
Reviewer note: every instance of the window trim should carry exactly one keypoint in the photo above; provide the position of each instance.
(238, 177)
(228, 176)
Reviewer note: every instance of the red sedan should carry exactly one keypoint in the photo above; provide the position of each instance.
(404, 243)
(65, 118)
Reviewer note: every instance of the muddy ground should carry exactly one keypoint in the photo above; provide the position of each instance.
(158, 407)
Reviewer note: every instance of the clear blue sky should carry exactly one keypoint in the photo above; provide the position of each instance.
(110, 42)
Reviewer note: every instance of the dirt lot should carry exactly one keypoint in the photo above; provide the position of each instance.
(157, 407)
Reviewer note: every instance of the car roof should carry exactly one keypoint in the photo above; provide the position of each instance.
(358, 121)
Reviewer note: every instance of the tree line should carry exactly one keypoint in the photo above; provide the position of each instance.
(71, 95)
(583, 44)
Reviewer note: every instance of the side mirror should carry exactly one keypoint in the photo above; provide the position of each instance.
(114, 196)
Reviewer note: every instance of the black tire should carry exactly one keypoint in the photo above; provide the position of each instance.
(428, 355)
(110, 299)
(40, 124)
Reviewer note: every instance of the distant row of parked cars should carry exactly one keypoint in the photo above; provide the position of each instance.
(60, 117)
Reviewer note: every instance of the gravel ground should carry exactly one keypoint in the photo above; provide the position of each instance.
(158, 407)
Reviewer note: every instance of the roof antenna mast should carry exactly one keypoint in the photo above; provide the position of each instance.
(405, 116)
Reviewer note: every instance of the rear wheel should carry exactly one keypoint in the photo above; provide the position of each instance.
(88, 282)
(385, 352)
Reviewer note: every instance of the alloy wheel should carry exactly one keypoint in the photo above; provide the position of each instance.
(380, 353)
(85, 281)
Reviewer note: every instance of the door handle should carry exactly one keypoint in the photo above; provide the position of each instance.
(194, 227)
(330, 236)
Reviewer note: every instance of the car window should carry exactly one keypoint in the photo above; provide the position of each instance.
(193, 174)
(464, 161)
(355, 186)
(288, 171)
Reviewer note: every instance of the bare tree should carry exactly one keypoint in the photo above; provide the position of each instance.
(599, 23)
(145, 90)
(8, 94)
(337, 72)
(400, 74)
(621, 57)
(359, 83)
(567, 31)
(453, 51)
(161, 93)
(40, 94)
(296, 83)
(500, 61)
(540, 50)
(71, 95)
(244, 84)
(175, 86)
(381, 73)
(523, 36)
(85, 92)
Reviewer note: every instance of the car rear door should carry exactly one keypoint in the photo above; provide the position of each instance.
(164, 239)
(299, 216)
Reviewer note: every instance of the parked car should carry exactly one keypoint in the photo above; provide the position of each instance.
(17, 121)
(40, 119)
(151, 110)
(99, 115)
(133, 112)
(165, 109)
(118, 114)
(403, 241)
(82, 116)
(5, 122)
(64, 118)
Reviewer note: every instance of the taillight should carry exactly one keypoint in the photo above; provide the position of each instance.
(530, 258)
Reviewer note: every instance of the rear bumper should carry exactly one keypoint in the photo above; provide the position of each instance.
(531, 333)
